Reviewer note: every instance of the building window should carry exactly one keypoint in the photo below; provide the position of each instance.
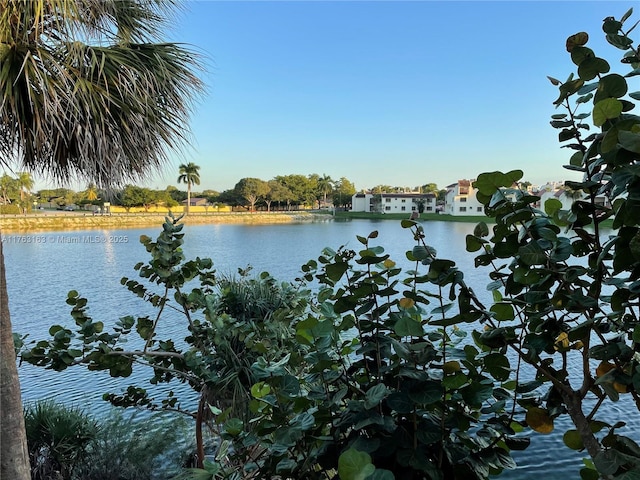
(463, 199)
(479, 209)
(413, 208)
(404, 200)
(388, 200)
(429, 209)
(387, 208)
(403, 208)
(463, 209)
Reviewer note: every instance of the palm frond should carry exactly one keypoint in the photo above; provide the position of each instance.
(81, 100)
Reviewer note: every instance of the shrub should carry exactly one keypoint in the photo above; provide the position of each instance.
(57, 439)
(136, 447)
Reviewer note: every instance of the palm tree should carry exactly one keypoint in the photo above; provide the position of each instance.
(25, 183)
(325, 186)
(88, 92)
(92, 192)
(189, 175)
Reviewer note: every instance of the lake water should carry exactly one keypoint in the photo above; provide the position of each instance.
(42, 268)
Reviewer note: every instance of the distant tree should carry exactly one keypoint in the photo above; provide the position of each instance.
(25, 184)
(252, 190)
(189, 175)
(9, 188)
(376, 202)
(177, 195)
(91, 192)
(382, 189)
(231, 198)
(524, 185)
(420, 203)
(132, 196)
(429, 188)
(278, 192)
(325, 187)
(211, 195)
(343, 193)
(302, 189)
(60, 196)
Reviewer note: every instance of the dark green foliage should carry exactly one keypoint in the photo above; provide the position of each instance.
(387, 387)
(66, 443)
(132, 447)
(57, 438)
(569, 295)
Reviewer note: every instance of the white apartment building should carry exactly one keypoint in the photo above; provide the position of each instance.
(393, 202)
(461, 199)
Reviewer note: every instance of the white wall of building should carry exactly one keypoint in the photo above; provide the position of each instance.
(461, 200)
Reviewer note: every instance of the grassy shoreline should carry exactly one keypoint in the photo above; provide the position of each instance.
(80, 221)
(439, 217)
(44, 222)
(40, 222)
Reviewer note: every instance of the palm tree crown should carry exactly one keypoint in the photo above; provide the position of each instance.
(189, 174)
(325, 185)
(87, 93)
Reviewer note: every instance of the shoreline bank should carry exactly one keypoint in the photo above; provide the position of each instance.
(43, 223)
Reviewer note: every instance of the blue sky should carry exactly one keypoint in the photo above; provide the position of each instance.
(397, 93)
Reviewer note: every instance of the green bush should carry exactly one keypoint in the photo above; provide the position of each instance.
(135, 447)
(10, 209)
(57, 439)
(66, 443)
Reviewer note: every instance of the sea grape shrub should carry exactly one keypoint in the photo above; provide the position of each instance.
(367, 374)
(388, 388)
(566, 291)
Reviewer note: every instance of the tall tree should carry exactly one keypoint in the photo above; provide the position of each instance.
(189, 174)
(91, 192)
(25, 184)
(252, 190)
(302, 191)
(343, 192)
(89, 91)
(278, 192)
(8, 188)
(325, 186)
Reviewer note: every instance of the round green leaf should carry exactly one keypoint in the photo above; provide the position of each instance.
(488, 183)
(629, 140)
(612, 85)
(591, 67)
(503, 311)
(355, 465)
(577, 40)
(233, 426)
(573, 440)
(498, 366)
(611, 25)
(580, 54)
(539, 420)
(260, 390)
(606, 109)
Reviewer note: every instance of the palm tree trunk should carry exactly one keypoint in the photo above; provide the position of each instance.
(14, 456)
(188, 197)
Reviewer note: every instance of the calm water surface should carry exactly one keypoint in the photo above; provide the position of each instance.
(42, 268)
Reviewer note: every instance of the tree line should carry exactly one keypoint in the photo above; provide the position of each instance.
(283, 192)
